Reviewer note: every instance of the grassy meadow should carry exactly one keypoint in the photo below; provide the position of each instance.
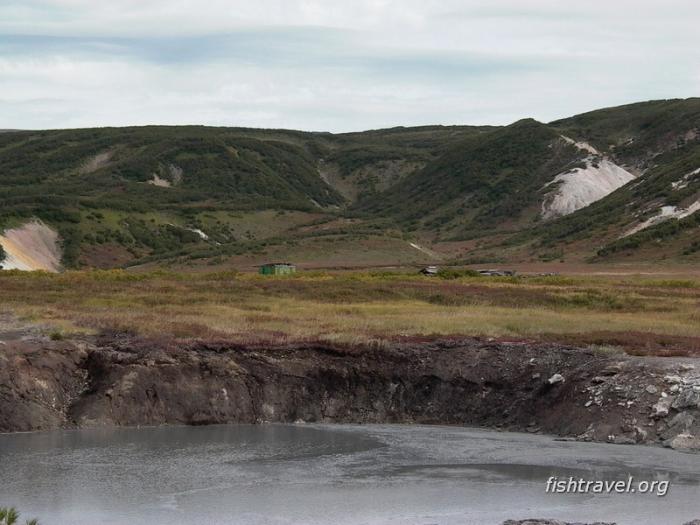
(639, 314)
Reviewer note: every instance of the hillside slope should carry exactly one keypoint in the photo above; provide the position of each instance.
(498, 183)
(656, 215)
(614, 183)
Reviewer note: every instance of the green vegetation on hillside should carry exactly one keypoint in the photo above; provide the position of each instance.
(612, 216)
(480, 183)
(116, 168)
(123, 196)
(635, 133)
(656, 234)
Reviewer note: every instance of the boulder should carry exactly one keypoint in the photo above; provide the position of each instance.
(685, 442)
(672, 379)
(556, 378)
(661, 408)
(688, 398)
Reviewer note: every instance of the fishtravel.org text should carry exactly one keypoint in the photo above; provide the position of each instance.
(572, 485)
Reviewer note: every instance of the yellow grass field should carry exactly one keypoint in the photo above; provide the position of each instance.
(637, 313)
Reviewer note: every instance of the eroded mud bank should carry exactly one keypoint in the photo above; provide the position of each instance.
(565, 391)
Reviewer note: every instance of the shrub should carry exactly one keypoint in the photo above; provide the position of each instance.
(10, 516)
(56, 336)
(454, 273)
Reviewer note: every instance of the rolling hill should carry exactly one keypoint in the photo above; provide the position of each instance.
(618, 183)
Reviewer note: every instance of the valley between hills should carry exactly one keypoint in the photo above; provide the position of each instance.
(617, 187)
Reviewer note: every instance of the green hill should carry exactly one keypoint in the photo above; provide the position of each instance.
(486, 182)
(637, 133)
(659, 140)
(201, 195)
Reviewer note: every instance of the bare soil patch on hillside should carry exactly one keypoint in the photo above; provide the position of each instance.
(32, 246)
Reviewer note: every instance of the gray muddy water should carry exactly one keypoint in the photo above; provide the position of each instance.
(331, 474)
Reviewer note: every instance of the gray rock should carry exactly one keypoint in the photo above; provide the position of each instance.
(556, 378)
(641, 434)
(688, 398)
(686, 442)
(652, 389)
(682, 420)
(612, 370)
(623, 440)
(661, 408)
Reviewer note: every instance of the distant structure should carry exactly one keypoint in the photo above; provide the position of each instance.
(497, 273)
(429, 270)
(277, 269)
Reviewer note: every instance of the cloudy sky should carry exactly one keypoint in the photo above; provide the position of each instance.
(337, 65)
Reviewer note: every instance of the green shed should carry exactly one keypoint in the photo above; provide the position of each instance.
(277, 269)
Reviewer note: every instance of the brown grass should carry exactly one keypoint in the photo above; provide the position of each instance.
(634, 313)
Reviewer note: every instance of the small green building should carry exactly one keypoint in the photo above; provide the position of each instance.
(277, 269)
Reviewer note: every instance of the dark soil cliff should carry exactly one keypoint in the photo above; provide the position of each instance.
(548, 388)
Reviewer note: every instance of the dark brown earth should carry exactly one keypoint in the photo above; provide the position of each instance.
(571, 392)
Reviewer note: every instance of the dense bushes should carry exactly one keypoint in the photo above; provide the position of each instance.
(46, 170)
(480, 182)
(455, 273)
(666, 230)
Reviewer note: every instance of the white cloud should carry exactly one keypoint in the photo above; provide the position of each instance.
(337, 65)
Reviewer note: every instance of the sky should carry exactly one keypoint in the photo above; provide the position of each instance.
(337, 65)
